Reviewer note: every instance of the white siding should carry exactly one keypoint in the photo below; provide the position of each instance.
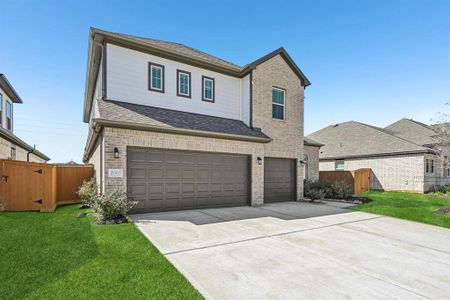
(393, 173)
(127, 80)
(245, 96)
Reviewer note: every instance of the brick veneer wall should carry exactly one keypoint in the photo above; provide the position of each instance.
(390, 173)
(123, 138)
(313, 162)
(287, 134)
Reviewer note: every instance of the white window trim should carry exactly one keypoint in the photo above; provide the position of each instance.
(284, 103)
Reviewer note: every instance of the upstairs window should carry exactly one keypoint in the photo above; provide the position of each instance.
(278, 99)
(339, 165)
(207, 89)
(8, 115)
(183, 84)
(429, 166)
(156, 77)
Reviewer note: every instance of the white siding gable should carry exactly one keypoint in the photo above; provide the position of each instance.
(127, 80)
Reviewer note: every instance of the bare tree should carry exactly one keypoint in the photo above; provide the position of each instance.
(442, 128)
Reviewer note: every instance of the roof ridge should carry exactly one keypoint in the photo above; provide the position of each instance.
(170, 42)
(390, 134)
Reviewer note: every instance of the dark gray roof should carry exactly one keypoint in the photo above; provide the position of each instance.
(354, 139)
(414, 131)
(9, 90)
(123, 112)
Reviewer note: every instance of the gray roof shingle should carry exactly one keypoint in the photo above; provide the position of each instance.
(414, 131)
(124, 112)
(354, 139)
(178, 48)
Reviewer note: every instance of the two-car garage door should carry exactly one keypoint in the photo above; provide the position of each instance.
(163, 180)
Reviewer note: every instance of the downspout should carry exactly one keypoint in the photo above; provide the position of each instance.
(30, 152)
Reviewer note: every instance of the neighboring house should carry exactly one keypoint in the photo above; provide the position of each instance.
(11, 147)
(402, 156)
(311, 150)
(178, 128)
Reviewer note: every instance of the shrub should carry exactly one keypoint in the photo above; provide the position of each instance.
(325, 187)
(87, 192)
(439, 188)
(342, 190)
(113, 205)
(447, 188)
(315, 194)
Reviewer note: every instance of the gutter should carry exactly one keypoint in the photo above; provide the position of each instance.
(379, 155)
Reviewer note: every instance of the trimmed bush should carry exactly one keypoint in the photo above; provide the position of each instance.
(87, 192)
(315, 194)
(112, 206)
(342, 190)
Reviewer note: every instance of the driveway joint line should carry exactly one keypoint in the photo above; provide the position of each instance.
(268, 236)
(213, 216)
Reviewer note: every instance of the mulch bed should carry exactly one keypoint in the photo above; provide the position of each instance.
(352, 200)
(443, 211)
(118, 220)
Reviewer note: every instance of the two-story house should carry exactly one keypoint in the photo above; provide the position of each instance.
(178, 128)
(11, 147)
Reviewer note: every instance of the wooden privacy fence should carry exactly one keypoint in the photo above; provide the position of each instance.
(28, 186)
(359, 179)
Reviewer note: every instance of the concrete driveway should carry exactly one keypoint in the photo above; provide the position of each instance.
(302, 251)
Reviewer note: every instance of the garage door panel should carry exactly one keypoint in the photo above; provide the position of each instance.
(169, 180)
(137, 173)
(279, 180)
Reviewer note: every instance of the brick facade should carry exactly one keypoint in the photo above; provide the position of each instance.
(311, 169)
(287, 134)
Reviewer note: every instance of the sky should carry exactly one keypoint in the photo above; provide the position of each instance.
(373, 61)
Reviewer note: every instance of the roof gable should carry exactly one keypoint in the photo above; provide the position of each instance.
(413, 131)
(9, 90)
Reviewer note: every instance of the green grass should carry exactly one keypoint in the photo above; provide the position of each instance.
(61, 255)
(414, 207)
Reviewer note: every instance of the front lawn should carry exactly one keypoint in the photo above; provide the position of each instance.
(415, 207)
(61, 255)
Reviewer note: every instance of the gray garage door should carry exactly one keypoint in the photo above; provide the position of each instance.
(279, 180)
(163, 180)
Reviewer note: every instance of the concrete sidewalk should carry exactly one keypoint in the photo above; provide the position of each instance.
(297, 250)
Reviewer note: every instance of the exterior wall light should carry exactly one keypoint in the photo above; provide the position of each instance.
(116, 152)
(259, 160)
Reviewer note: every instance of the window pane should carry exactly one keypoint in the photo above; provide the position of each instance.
(339, 165)
(8, 109)
(278, 96)
(277, 111)
(156, 77)
(184, 84)
(208, 92)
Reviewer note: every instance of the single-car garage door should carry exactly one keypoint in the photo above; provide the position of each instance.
(163, 180)
(279, 180)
